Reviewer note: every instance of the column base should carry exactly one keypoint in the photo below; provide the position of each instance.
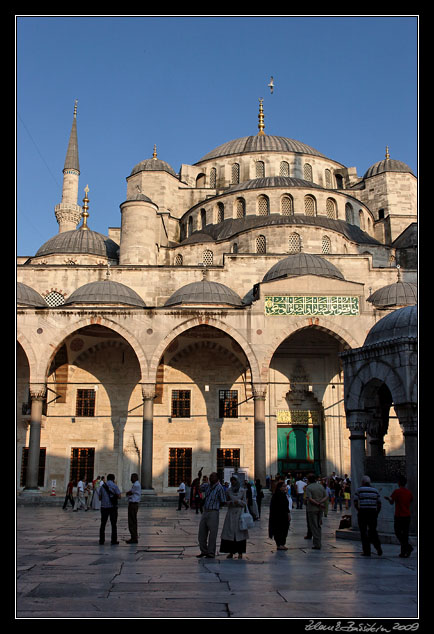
(148, 492)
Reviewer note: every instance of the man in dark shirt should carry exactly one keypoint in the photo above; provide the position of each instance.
(368, 504)
(109, 508)
(215, 497)
(402, 499)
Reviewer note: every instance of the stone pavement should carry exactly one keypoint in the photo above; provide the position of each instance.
(62, 571)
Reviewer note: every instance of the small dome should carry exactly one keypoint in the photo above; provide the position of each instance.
(387, 165)
(204, 292)
(398, 294)
(402, 323)
(153, 165)
(260, 143)
(28, 296)
(80, 241)
(198, 237)
(302, 264)
(105, 292)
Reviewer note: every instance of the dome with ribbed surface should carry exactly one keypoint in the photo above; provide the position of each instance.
(387, 165)
(398, 294)
(80, 241)
(260, 143)
(27, 296)
(153, 165)
(401, 324)
(105, 292)
(303, 264)
(204, 292)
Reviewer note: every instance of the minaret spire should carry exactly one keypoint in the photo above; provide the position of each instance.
(68, 212)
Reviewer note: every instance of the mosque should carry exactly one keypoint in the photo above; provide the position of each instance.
(256, 310)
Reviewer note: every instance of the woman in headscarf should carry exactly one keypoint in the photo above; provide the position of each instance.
(233, 540)
(279, 519)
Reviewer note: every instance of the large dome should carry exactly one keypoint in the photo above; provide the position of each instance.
(80, 241)
(303, 264)
(260, 143)
(204, 292)
(402, 323)
(105, 292)
(398, 294)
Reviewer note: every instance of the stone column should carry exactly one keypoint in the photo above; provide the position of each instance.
(148, 394)
(37, 393)
(356, 423)
(407, 415)
(259, 395)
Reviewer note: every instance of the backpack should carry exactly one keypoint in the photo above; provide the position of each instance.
(112, 496)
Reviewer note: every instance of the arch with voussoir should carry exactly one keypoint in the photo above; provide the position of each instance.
(192, 323)
(370, 371)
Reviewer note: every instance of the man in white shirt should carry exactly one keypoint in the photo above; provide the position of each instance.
(134, 497)
(300, 487)
(181, 498)
(80, 501)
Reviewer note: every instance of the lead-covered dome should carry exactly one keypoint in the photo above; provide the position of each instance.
(204, 292)
(398, 294)
(401, 324)
(80, 241)
(105, 292)
(27, 296)
(387, 165)
(303, 264)
(260, 143)
(153, 165)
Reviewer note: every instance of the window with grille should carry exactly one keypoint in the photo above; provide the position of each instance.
(227, 458)
(309, 206)
(286, 206)
(41, 466)
(326, 244)
(261, 244)
(179, 466)
(349, 213)
(307, 170)
(220, 212)
(54, 299)
(263, 206)
(85, 405)
(240, 208)
(260, 169)
(178, 260)
(208, 257)
(228, 404)
(235, 174)
(82, 463)
(294, 243)
(328, 178)
(202, 218)
(213, 177)
(284, 168)
(181, 403)
(330, 208)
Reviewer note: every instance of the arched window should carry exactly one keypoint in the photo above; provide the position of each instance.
(286, 206)
(178, 260)
(190, 227)
(207, 257)
(326, 244)
(331, 208)
(349, 216)
(261, 244)
(54, 299)
(309, 206)
(213, 177)
(235, 174)
(361, 220)
(260, 169)
(307, 171)
(235, 247)
(240, 208)
(220, 212)
(203, 218)
(284, 168)
(294, 243)
(328, 178)
(263, 205)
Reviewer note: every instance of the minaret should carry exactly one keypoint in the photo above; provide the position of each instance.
(68, 212)
(261, 125)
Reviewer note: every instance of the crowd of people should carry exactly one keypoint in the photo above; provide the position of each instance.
(207, 495)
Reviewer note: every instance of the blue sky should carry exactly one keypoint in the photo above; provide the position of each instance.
(347, 86)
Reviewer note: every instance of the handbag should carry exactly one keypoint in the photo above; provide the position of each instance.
(245, 522)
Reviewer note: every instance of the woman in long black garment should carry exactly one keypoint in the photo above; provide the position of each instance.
(280, 518)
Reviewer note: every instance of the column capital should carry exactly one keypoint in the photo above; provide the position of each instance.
(408, 418)
(356, 422)
(38, 391)
(259, 391)
(148, 391)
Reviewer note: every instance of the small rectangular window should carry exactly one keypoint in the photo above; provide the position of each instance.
(181, 401)
(228, 404)
(85, 403)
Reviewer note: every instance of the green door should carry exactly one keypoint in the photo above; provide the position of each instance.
(298, 448)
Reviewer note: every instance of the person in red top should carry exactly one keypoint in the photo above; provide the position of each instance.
(402, 499)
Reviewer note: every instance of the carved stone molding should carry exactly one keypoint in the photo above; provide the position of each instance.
(148, 391)
(259, 391)
(38, 391)
(356, 422)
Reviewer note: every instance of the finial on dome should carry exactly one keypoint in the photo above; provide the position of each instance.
(154, 155)
(387, 152)
(261, 125)
(85, 215)
(399, 272)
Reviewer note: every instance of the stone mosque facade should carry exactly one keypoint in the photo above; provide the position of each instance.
(232, 320)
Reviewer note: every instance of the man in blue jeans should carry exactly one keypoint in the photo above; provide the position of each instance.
(109, 495)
